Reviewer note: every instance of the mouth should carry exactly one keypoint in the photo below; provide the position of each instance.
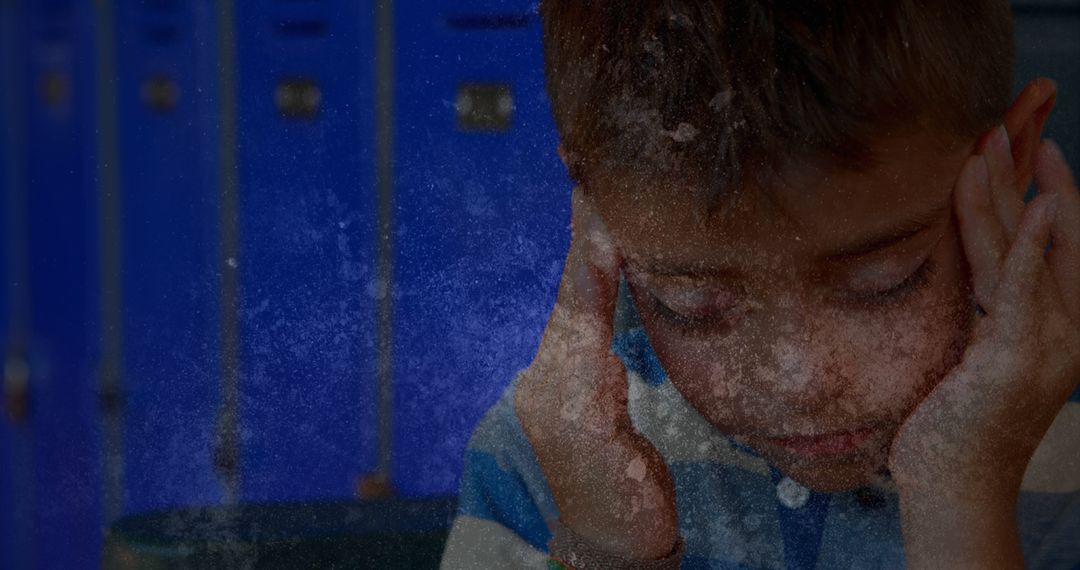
(832, 445)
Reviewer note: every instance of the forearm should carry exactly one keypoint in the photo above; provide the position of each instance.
(953, 533)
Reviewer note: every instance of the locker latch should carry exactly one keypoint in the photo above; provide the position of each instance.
(484, 107)
(160, 93)
(54, 88)
(298, 98)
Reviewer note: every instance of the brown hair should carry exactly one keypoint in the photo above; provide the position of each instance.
(723, 89)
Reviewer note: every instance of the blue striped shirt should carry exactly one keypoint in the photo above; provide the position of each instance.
(735, 510)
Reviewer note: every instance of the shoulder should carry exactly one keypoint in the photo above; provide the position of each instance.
(504, 503)
(502, 481)
(500, 439)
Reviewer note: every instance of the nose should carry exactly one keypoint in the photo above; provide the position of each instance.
(809, 368)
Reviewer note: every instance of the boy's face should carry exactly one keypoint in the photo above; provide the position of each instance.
(812, 317)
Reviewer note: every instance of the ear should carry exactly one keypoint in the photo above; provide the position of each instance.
(1024, 121)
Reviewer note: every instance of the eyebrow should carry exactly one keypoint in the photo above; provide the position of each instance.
(882, 239)
(891, 235)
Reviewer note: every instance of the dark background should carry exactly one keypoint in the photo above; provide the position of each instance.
(280, 250)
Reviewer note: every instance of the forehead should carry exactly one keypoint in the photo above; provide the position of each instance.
(804, 210)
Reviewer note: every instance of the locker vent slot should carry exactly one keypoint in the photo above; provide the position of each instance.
(301, 28)
(160, 35)
(162, 5)
(466, 22)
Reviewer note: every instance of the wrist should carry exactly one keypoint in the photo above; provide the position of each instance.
(967, 494)
(950, 530)
(570, 549)
(633, 541)
(964, 487)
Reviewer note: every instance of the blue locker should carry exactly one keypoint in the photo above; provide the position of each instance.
(167, 140)
(481, 227)
(56, 453)
(306, 257)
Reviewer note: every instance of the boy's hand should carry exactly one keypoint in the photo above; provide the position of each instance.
(961, 456)
(611, 485)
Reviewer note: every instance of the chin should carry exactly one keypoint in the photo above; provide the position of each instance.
(832, 472)
(832, 475)
(831, 469)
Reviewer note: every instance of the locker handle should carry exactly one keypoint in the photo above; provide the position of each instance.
(298, 98)
(160, 93)
(16, 388)
(484, 107)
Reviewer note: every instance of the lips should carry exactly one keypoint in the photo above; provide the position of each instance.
(835, 444)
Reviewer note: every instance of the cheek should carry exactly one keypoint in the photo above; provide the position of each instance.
(705, 369)
(905, 355)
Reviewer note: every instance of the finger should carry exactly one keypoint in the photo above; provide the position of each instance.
(587, 294)
(1023, 269)
(1024, 121)
(1023, 146)
(983, 237)
(1053, 176)
(1007, 197)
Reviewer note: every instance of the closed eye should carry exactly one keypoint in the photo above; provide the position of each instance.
(917, 280)
(711, 321)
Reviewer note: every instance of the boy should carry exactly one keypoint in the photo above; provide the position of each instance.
(856, 347)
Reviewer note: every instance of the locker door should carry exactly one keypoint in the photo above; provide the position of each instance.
(167, 140)
(11, 245)
(56, 456)
(481, 223)
(306, 257)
